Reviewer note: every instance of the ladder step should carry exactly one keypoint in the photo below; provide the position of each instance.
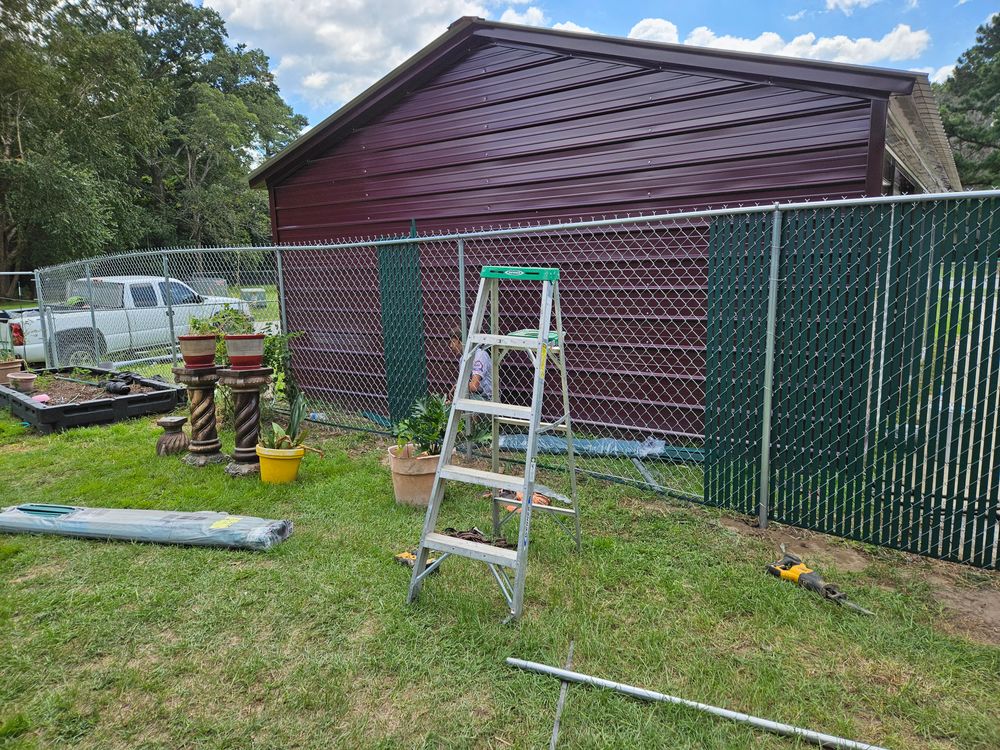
(496, 408)
(557, 426)
(535, 507)
(485, 478)
(506, 342)
(475, 550)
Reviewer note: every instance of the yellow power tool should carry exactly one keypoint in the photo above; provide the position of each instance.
(791, 568)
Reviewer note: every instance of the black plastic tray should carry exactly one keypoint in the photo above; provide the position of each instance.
(48, 419)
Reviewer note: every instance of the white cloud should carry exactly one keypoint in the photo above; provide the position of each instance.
(961, 2)
(570, 26)
(325, 52)
(902, 43)
(942, 74)
(847, 7)
(797, 16)
(655, 30)
(532, 16)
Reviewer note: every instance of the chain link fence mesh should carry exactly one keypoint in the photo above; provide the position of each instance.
(883, 413)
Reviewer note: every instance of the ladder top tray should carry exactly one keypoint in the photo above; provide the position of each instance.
(524, 273)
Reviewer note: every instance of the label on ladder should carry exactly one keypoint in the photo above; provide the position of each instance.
(541, 366)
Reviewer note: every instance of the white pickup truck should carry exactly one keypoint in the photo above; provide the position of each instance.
(130, 315)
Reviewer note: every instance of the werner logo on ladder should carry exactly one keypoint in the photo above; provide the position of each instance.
(543, 346)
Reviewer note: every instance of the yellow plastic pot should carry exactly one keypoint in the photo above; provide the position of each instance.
(279, 465)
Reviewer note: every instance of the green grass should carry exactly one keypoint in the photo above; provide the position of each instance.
(115, 645)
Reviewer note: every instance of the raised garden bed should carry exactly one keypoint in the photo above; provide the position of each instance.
(75, 404)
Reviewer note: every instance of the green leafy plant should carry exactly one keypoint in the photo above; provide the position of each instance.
(427, 423)
(7, 354)
(278, 437)
(227, 320)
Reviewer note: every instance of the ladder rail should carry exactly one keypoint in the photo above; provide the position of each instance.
(568, 423)
(451, 432)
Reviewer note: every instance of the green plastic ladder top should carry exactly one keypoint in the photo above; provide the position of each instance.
(524, 273)
(532, 333)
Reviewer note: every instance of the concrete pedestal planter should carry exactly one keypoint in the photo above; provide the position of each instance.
(198, 350)
(245, 350)
(412, 476)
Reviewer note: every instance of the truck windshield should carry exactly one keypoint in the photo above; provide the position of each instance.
(106, 294)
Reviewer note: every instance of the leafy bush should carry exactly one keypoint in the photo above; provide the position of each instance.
(426, 425)
(295, 435)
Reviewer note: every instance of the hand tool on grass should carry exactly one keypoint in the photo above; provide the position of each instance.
(791, 568)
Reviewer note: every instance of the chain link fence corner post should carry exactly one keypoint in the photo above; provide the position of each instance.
(91, 302)
(463, 318)
(772, 321)
(41, 320)
(280, 274)
(170, 309)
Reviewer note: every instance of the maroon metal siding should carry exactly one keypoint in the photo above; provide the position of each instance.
(514, 134)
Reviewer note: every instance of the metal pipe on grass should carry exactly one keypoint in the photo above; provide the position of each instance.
(824, 740)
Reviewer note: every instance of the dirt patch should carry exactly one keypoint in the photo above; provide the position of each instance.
(971, 609)
(62, 392)
(815, 549)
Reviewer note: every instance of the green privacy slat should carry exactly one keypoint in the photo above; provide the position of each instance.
(401, 303)
(886, 392)
(522, 273)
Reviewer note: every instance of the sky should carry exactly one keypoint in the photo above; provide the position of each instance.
(325, 52)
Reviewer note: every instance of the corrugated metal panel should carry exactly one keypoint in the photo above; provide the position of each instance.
(511, 134)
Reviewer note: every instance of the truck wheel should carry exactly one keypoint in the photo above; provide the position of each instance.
(77, 354)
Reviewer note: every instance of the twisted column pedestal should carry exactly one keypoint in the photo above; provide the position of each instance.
(205, 447)
(246, 386)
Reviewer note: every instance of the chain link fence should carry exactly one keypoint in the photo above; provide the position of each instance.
(832, 366)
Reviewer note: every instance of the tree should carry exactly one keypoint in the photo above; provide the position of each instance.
(970, 108)
(126, 124)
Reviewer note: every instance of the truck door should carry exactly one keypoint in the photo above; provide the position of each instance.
(186, 303)
(147, 316)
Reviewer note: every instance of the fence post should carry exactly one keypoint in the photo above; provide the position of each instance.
(170, 309)
(772, 319)
(93, 315)
(280, 271)
(41, 320)
(465, 333)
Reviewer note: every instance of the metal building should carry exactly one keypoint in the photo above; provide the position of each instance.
(494, 124)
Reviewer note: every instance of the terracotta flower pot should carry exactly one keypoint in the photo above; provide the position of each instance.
(412, 476)
(14, 365)
(198, 350)
(22, 381)
(245, 350)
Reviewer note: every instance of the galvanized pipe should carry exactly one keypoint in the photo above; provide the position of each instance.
(772, 321)
(824, 740)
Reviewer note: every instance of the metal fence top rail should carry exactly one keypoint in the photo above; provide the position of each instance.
(558, 227)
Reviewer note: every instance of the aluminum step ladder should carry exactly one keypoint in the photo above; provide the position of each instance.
(543, 346)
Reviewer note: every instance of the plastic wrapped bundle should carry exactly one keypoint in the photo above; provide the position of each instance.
(203, 528)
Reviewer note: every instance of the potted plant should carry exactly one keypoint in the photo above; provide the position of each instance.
(245, 350)
(9, 362)
(414, 458)
(22, 381)
(280, 450)
(198, 350)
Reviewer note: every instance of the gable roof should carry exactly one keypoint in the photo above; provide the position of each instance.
(468, 34)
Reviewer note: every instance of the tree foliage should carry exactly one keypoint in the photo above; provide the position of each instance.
(970, 108)
(126, 124)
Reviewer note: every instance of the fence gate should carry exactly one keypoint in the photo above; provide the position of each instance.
(885, 373)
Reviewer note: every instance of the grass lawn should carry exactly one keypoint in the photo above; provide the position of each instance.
(115, 645)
